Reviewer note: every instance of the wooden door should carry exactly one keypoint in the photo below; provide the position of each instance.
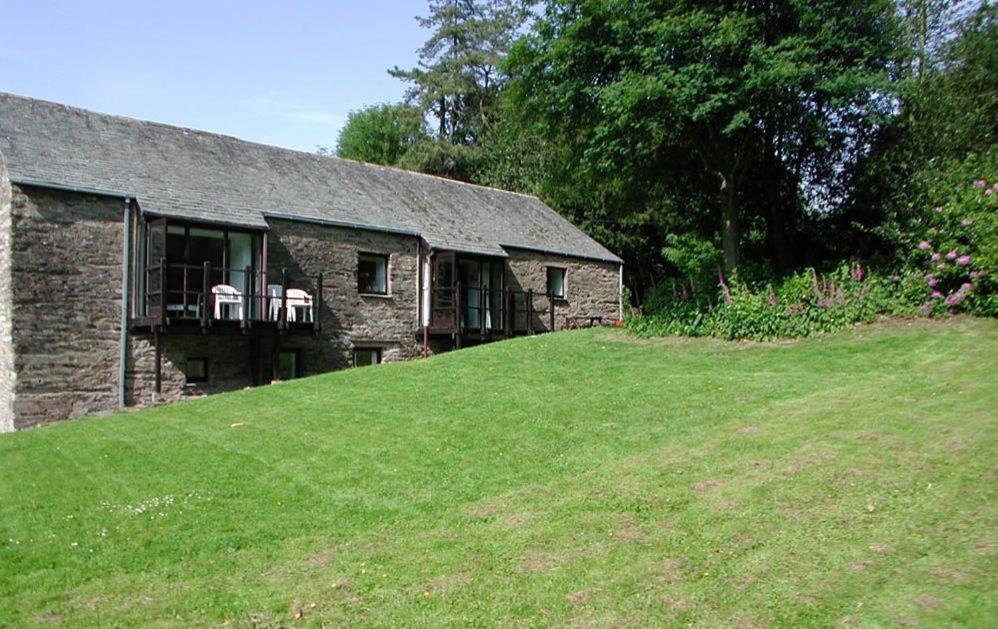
(443, 307)
(155, 289)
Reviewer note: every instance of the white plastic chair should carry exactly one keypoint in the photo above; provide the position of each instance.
(226, 295)
(274, 294)
(297, 298)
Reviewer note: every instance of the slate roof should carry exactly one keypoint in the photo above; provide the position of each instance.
(196, 175)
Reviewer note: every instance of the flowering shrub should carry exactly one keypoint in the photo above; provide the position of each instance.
(957, 247)
(801, 305)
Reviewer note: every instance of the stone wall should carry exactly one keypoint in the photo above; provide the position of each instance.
(592, 288)
(349, 318)
(66, 294)
(7, 373)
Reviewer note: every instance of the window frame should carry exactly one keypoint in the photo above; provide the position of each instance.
(297, 353)
(382, 257)
(199, 379)
(378, 351)
(563, 296)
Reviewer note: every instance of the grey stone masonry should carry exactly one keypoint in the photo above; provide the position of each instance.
(591, 286)
(7, 374)
(66, 303)
(349, 318)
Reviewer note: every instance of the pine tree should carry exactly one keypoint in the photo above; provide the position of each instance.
(457, 79)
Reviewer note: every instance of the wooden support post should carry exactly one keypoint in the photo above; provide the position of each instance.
(317, 314)
(530, 311)
(457, 314)
(551, 299)
(205, 295)
(157, 357)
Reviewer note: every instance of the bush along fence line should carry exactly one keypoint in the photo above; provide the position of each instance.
(948, 271)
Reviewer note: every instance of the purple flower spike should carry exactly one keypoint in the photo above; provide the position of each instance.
(924, 245)
(951, 255)
(963, 260)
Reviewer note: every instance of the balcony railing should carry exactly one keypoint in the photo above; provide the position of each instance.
(485, 311)
(206, 293)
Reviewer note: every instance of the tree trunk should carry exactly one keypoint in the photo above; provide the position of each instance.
(729, 223)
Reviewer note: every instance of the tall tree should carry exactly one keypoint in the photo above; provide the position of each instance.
(457, 79)
(380, 134)
(790, 88)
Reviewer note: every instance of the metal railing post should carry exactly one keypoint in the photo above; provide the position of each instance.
(162, 290)
(317, 314)
(205, 293)
(284, 298)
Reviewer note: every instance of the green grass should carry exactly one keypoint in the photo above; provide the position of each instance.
(577, 478)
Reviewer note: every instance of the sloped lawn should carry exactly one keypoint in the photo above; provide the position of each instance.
(582, 477)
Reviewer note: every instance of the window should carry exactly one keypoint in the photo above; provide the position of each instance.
(287, 366)
(196, 370)
(364, 356)
(556, 282)
(372, 274)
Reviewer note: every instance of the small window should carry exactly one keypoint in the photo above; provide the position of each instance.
(372, 274)
(556, 282)
(364, 356)
(287, 367)
(196, 370)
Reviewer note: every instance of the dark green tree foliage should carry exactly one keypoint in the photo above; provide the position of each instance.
(687, 105)
(948, 122)
(380, 134)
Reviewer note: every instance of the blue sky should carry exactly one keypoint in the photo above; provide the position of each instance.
(284, 73)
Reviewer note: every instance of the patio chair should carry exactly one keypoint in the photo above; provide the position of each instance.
(297, 298)
(274, 294)
(226, 295)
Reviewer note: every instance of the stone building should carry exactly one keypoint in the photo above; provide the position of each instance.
(141, 262)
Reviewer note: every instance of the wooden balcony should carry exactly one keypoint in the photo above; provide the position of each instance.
(480, 313)
(202, 298)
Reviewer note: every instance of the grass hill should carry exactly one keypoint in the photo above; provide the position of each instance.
(576, 478)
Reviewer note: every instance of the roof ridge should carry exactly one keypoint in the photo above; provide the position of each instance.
(215, 134)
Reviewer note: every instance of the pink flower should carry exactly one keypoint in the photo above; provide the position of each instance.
(980, 183)
(926, 309)
(966, 286)
(936, 257)
(771, 298)
(951, 255)
(963, 260)
(954, 299)
(924, 245)
(857, 273)
(936, 294)
(989, 192)
(933, 282)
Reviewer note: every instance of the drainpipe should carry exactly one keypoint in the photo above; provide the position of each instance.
(620, 293)
(126, 281)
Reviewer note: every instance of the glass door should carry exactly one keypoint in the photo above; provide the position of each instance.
(471, 289)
